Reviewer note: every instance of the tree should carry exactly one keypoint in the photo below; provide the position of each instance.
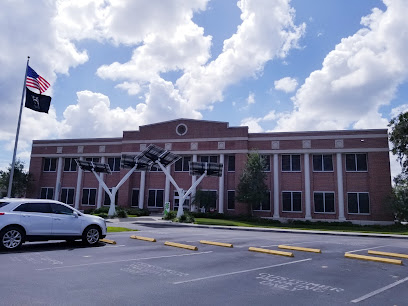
(251, 188)
(21, 180)
(399, 139)
(398, 199)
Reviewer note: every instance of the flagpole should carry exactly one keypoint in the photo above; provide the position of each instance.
(17, 134)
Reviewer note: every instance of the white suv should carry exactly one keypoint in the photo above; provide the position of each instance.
(39, 220)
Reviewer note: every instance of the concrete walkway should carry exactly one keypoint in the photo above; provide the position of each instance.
(157, 221)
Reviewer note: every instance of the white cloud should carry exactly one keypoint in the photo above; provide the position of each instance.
(251, 98)
(398, 110)
(286, 84)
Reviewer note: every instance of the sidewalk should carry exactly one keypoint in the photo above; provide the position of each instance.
(157, 221)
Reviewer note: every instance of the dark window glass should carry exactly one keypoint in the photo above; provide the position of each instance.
(70, 164)
(160, 198)
(352, 201)
(351, 162)
(88, 196)
(114, 163)
(47, 193)
(266, 203)
(61, 209)
(319, 202)
(92, 197)
(231, 163)
(178, 165)
(211, 159)
(50, 164)
(327, 162)
(67, 195)
(295, 162)
(34, 207)
(156, 198)
(361, 162)
(256, 206)
(317, 163)
(267, 162)
(285, 162)
(93, 159)
(286, 201)
(135, 197)
(297, 201)
(364, 203)
(329, 201)
(152, 198)
(182, 164)
(231, 199)
(2, 204)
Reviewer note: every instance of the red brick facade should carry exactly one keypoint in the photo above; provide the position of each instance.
(325, 192)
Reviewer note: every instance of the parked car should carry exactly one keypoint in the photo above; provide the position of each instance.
(24, 220)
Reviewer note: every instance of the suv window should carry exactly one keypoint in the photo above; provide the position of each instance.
(61, 209)
(34, 207)
(2, 204)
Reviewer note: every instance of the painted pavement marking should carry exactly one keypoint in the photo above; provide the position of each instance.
(371, 294)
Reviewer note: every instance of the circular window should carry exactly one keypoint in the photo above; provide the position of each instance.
(181, 129)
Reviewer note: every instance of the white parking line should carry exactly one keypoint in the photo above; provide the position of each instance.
(289, 243)
(371, 294)
(381, 246)
(242, 271)
(125, 260)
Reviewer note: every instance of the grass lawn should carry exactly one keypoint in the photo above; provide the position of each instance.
(390, 229)
(112, 229)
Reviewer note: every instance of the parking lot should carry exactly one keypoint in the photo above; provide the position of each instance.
(136, 272)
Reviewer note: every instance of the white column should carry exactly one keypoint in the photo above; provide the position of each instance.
(167, 188)
(100, 188)
(78, 186)
(58, 181)
(193, 180)
(275, 186)
(308, 214)
(221, 187)
(340, 191)
(142, 188)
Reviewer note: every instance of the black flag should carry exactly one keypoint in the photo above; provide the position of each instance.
(37, 102)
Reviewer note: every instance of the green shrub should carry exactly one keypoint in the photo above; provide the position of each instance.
(171, 215)
(135, 211)
(89, 211)
(121, 213)
(102, 215)
(103, 209)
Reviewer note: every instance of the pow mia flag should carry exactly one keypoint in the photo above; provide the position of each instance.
(37, 102)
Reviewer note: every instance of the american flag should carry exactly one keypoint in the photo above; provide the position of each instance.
(36, 81)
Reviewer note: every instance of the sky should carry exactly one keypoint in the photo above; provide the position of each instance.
(271, 65)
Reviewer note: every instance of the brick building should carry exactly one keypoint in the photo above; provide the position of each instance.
(324, 175)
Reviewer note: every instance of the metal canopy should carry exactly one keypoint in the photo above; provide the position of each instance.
(97, 167)
(199, 168)
(155, 154)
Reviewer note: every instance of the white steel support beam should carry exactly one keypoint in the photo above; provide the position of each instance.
(275, 186)
(100, 188)
(58, 180)
(340, 191)
(308, 215)
(142, 189)
(78, 186)
(221, 187)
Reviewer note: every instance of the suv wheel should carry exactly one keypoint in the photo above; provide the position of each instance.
(91, 235)
(11, 238)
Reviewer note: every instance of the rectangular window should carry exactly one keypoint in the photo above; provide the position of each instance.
(67, 196)
(114, 163)
(267, 162)
(265, 204)
(231, 199)
(106, 200)
(182, 165)
(291, 163)
(231, 163)
(324, 202)
(93, 159)
(176, 199)
(156, 198)
(356, 162)
(135, 197)
(70, 165)
(50, 164)
(358, 203)
(209, 159)
(47, 193)
(291, 201)
(88, 196)
(322, 163)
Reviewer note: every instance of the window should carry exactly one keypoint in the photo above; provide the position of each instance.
(356, 162)
(231, 163)
(114, 163)
(61, 209)
(358, 203)
(209, 159)
(70, 164)
(47, 193)
(88, 196)
(231, 199)
(34, 207)
(50, 164)
(93, 159)
(67, 196)
(156, 198)
(135, 197)
(292, 201)
(324, 202)
(322, 162)
(106, 200)
(290, 163)
(267, 162)
(182, 164)
(265, 204)
(186, 204)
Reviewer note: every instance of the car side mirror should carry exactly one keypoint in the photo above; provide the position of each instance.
(75, 214)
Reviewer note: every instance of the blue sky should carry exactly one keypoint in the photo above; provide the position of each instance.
(273, 65)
